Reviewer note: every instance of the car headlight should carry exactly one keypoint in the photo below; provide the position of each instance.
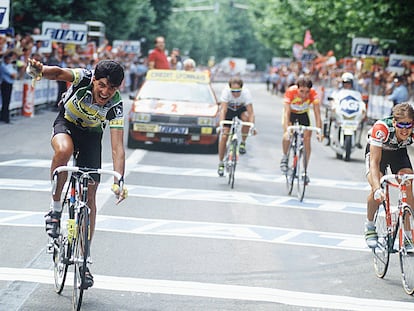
(141, 117)
(204, 121)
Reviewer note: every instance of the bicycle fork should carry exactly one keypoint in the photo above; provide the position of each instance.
(234, 153)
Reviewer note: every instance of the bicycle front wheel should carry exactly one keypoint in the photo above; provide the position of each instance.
(407, 250)
(381, 253)
(233, 162)
(301, 172)
(61, 254)
(62, 250)
(291, 168)
(81, 253)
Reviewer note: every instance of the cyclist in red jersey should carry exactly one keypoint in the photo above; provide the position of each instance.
(298, 100)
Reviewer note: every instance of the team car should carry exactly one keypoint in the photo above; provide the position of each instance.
(174, 107)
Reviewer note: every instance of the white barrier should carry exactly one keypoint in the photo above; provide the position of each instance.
(16, 100)
(45, 91)
(379, 107)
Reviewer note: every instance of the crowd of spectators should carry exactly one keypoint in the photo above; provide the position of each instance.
(325, 70)
(371, 74)
(25, 46)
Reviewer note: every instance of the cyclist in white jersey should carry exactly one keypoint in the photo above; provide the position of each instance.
(235, 100)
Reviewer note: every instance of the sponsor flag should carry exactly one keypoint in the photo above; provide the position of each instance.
(308, 39)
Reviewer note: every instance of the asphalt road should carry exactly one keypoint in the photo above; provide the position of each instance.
(184, 240)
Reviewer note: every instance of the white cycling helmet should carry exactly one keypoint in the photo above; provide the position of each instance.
(347, 77)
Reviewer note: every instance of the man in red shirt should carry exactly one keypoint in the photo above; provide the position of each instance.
(157, 58)
(298, 100)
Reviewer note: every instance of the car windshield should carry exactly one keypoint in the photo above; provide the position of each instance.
(191, 92)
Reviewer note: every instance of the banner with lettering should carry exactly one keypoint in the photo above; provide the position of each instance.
(65, 32)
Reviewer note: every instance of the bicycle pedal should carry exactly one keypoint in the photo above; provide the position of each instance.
(50, 248)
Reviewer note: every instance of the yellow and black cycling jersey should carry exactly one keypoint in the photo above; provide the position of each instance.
(78, 107)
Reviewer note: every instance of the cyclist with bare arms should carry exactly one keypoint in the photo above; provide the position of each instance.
(235, 100)
(387, 146)
(92, 101)
(298, 100)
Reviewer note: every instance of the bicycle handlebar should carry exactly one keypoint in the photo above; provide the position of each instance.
(242, 123)
(303, 128)
(84, 171)
(395, 179)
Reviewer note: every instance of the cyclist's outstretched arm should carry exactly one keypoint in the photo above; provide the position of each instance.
(118, 158)
(49, 72)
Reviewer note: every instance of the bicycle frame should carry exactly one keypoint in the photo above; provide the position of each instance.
(234, 138)
(399, 182)
(72, 246)
(297, 164)
(388, 229)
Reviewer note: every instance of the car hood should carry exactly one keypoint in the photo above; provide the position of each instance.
(160, 106)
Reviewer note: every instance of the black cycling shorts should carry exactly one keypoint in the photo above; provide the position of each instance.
(396, 159)
(230, 114)
(303, 118)
(88, 143)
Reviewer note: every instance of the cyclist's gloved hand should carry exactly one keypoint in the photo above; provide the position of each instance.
(34, 70)
(319, 135)
(120, 194)
(379, 195)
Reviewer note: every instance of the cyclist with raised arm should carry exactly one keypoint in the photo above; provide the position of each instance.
(387, 146)
(235, 100)
(298, 100)
(92, 101)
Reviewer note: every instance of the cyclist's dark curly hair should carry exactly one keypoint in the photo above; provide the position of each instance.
(304, 82)
(111, 70)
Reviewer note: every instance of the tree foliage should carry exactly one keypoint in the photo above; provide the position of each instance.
(333, 24)
(224, 28)
(127, 19)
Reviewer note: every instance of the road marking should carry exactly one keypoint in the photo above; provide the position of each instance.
(208, 230)
(200, 172)
(198, 195)
(212, 290)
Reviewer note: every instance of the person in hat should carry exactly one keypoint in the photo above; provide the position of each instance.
(399, 93)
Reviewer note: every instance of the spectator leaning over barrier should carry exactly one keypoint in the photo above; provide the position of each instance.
(8, 74)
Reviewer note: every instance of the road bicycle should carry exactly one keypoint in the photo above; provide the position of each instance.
(71, 247)
(297, 168)
(395, 229)
(234, 138)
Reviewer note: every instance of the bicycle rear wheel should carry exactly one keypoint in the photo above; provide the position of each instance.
(81, 253)
(291, 167)
(301, 173)
(233, 162)
(407, 251)
(381, 253)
